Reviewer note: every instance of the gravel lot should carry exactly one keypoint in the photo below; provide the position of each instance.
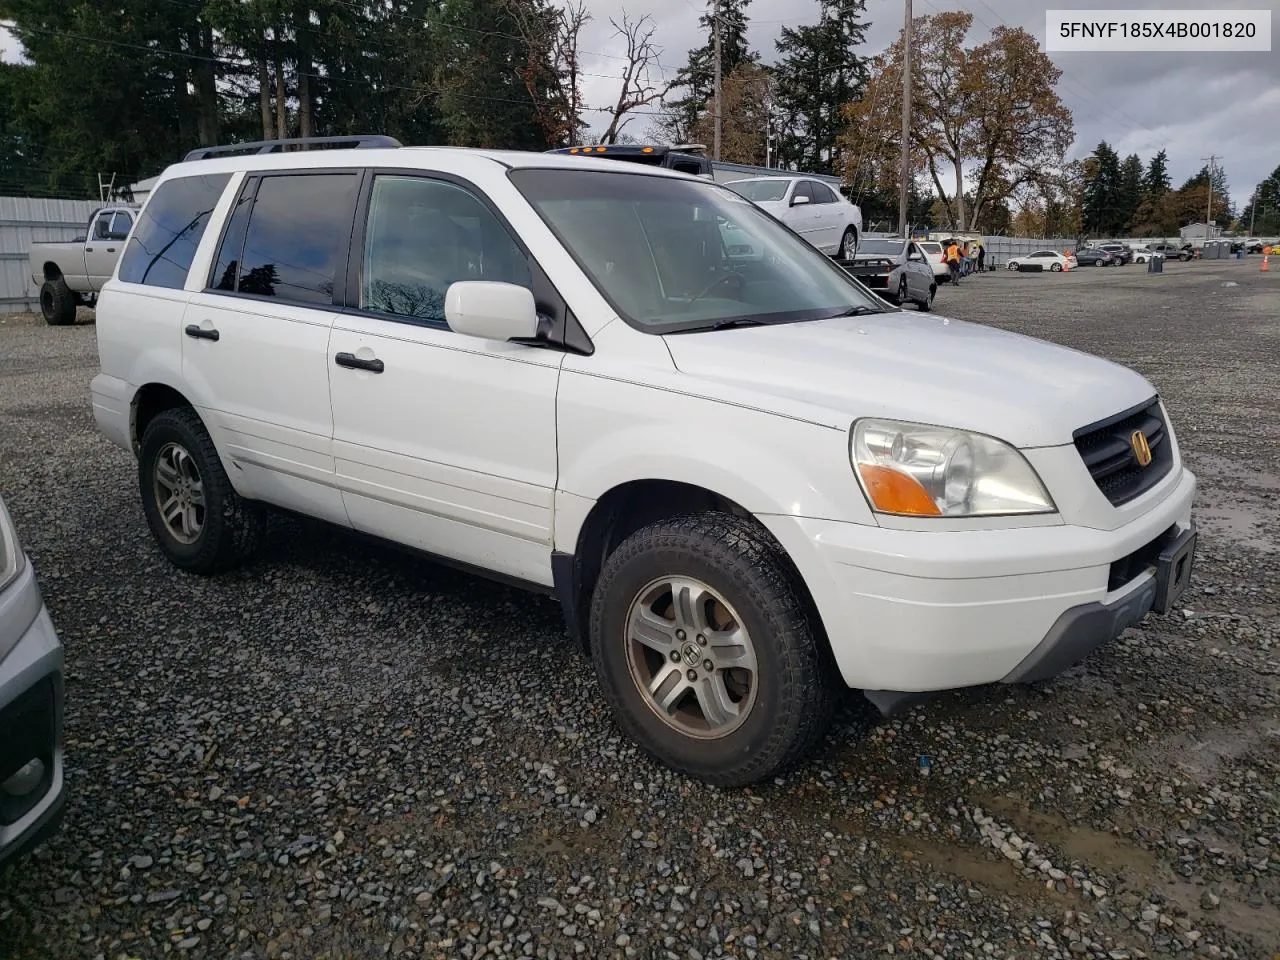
(345, 752)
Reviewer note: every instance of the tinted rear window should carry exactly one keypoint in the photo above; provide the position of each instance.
(169, 229)
(298, 237)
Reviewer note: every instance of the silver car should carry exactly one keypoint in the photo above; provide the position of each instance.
(31, 782)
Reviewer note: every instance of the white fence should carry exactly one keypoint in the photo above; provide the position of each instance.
(26, 220)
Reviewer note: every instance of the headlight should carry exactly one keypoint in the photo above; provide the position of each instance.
(10, 552)
(915, 470)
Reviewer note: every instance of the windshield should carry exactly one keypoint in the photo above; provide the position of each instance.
(671, 254)
(881, 248)
(760, 190)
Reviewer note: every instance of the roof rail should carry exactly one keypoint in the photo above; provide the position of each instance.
(357, 142)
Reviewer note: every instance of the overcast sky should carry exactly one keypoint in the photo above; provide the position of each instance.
(1190, 104)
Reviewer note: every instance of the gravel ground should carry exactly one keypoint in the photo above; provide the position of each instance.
(344, 752)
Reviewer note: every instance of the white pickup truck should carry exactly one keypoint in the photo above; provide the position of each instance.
(71, 273)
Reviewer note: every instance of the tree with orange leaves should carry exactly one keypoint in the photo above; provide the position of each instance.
(986, 116)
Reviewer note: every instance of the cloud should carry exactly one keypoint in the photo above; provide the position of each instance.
(1188, 104)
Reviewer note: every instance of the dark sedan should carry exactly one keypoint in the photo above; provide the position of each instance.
(1096, 257)
(895, 269)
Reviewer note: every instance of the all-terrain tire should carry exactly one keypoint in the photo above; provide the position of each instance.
(795, 675)
(57, 303)
(233, 527)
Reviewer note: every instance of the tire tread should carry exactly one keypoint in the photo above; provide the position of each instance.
(240, 526)
(753, 561)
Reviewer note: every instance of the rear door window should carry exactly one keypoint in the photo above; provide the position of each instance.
(822, 193)
(169, 230)
(297, 239)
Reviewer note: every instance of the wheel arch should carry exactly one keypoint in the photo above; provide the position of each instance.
(628, 507)
(51, 271)
(150, 400)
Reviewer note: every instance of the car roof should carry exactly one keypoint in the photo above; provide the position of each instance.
(409, 158)
(787, 177)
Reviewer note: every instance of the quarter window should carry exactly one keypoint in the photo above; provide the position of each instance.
(169, 229)
(298, 236)
(422, 236)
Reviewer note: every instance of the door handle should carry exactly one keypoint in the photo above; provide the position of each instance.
(111, 249)
(352, 362)
(200, 333)
(88, 249)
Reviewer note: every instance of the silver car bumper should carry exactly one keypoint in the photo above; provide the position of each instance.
(31, 699)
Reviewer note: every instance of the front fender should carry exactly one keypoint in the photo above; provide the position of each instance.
(613, 432)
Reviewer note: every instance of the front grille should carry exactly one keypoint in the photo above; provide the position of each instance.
(1107, 450)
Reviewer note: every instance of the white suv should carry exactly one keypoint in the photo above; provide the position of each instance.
(748, 479)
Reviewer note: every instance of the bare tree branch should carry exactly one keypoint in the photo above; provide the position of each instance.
(638, 87)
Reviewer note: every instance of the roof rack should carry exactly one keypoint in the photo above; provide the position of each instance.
(359, 142)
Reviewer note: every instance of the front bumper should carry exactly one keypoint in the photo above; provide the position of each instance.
(31, 700)
(916, 611)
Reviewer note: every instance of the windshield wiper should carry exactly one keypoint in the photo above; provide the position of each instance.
(855, 312)
(726, 324)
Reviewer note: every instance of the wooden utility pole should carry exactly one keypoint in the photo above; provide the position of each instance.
(1208, 210)
(905, 172)
(715, 153)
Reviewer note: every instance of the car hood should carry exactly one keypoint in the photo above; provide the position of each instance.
(918, 367)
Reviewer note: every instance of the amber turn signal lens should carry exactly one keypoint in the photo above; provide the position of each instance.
(892, 491)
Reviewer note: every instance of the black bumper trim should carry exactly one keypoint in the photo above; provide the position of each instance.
(1080, 631)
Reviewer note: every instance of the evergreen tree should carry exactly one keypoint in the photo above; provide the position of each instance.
(697, 77)
(1223, 211)
(1156, 182)
(1102, 207)
(819, 71)
(1130, 193)
(1262, 215)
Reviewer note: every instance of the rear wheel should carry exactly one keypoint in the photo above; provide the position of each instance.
(195, 515)
(707, 651)
(1056, 268)
(848, 244)
(57, 303)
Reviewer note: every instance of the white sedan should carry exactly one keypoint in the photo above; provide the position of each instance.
(809, 207)
(1048, 260)
(937, 259)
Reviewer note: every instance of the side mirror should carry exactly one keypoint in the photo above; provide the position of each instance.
(799, 199)
(491, 311)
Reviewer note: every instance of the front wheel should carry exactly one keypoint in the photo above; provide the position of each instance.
(195, 515)
(927, 303)
(848, 244)
(902, 292)
(57, 303)
(707, 651)
(1013, 266)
